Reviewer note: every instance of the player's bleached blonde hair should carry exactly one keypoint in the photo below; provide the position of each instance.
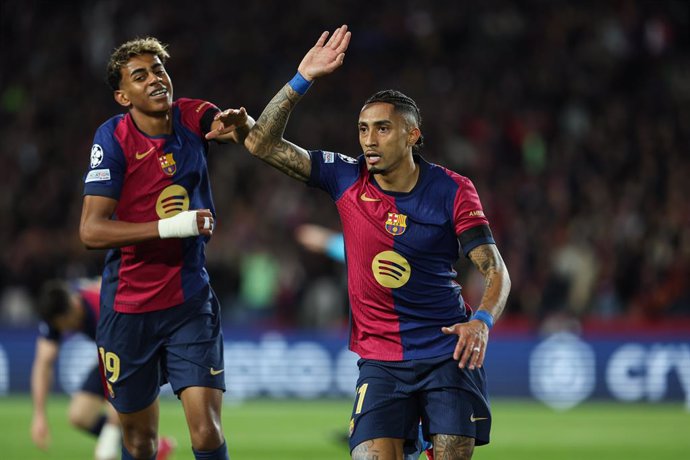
(127, 50)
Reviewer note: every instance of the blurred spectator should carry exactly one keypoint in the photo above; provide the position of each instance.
(572, 119)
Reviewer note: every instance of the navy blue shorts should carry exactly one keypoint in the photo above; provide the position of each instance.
(392, 398)
(140, 352)
(93, 383)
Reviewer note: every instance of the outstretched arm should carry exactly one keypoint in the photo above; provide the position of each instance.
(231, 125)
(265, 140)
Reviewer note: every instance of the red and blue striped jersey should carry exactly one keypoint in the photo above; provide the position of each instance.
(153, 178)
(400, 251)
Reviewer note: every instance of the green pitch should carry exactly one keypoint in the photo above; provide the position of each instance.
(292, 430)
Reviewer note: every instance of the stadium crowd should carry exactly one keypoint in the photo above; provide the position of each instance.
(573, 121)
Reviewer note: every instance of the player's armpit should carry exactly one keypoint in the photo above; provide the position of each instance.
(489, 262)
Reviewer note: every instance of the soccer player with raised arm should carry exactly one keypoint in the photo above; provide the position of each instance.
(147, 199)
(404, 222)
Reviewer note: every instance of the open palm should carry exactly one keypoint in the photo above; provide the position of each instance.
(325, 56)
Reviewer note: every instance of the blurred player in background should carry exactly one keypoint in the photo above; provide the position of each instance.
(68, 308)
(147, 198)
(404, 222)
(321, 240)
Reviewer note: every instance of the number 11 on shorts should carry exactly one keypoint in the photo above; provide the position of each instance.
(361, 392)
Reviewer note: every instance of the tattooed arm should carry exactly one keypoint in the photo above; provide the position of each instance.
(474, 335)
(265, 140)
(489, 262)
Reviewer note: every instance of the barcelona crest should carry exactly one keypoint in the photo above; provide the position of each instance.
(168, 163)
(396, 223)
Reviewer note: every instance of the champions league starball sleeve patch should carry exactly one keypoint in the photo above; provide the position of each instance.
(96, 155)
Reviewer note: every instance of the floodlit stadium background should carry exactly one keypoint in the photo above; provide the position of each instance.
(573, 120)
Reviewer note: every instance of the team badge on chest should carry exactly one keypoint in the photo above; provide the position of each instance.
(168, 164)
(396, 223)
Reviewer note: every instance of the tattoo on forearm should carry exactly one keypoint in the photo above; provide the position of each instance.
(266, 138)
(496, 279)
(450, 447)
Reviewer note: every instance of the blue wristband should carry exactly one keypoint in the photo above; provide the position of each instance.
(485, 317)
(300, 84)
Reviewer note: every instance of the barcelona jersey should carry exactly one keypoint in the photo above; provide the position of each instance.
(153, 178)
(400, 250)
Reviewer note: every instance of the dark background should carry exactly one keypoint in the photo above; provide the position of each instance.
(573, 121)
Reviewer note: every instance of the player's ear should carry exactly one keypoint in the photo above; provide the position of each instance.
(121, 98)
(413, 136)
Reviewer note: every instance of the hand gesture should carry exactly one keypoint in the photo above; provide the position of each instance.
(472, 339)
(227, 121)
(325, 56)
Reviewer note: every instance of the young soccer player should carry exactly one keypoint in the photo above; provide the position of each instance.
(147, 199)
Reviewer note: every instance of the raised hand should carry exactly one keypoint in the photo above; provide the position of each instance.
(325, 56)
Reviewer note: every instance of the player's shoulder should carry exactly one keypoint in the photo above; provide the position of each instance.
(199, 106)
(109, 126)
(442, 173)
(336, 158)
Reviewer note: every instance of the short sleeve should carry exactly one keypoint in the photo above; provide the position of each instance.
(197, 115)
(107, 165)
(471, 225)
(333, 172)
(48, 333)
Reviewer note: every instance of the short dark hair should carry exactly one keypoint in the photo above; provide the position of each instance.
(53, 300)
(402, 104)
(128, 50)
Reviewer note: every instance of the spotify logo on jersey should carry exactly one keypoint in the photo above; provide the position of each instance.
(390, 269)
(172, 200)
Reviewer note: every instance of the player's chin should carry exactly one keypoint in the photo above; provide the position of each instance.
(375, 170)
(161, 104)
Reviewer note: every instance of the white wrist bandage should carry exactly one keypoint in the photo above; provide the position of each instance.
(181, 225)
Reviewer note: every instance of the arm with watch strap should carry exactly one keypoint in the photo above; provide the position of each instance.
(265, 140)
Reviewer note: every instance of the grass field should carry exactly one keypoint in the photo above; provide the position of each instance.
(292, 430)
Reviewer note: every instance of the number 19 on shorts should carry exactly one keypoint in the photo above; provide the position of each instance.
(111, 363)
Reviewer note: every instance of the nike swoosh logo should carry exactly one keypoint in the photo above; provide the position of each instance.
(142, 155)
(477, 419)
(364, 197)
(216, 372)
